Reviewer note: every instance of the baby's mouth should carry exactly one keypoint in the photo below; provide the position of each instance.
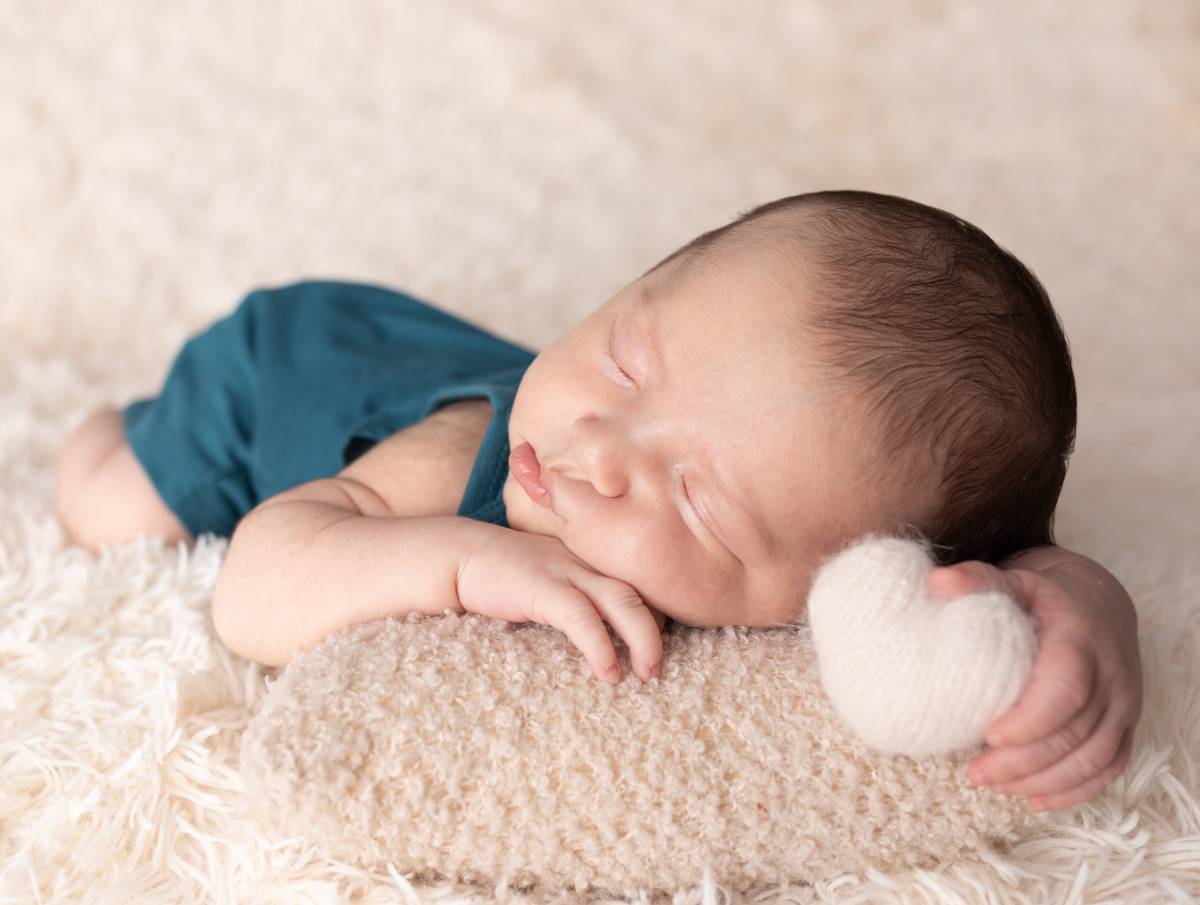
(524, 465)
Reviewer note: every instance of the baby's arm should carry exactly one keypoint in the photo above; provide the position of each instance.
(1071, 732)
(328, 554)
(381, 539)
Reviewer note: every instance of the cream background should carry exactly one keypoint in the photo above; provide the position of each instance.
(519, 162)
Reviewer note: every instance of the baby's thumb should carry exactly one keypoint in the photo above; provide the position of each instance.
(966, 578)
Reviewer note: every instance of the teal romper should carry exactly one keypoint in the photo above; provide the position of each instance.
(302, 379)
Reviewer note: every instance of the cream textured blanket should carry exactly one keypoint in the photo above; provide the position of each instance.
(465, 747)
(478, 751)
(518, 163)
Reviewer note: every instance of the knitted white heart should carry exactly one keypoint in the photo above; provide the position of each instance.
(909, 673)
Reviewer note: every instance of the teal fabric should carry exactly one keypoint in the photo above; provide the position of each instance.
(300, 380)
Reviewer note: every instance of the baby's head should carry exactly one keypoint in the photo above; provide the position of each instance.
(827, 365)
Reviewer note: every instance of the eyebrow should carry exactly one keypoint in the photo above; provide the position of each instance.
(714, 487)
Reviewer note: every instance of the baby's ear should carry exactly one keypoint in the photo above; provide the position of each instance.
(909, 672)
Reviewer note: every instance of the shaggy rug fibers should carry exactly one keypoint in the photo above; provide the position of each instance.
(517, 163)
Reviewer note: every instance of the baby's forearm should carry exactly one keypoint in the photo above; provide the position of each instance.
(299, 570)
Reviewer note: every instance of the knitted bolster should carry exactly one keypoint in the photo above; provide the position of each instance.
(463, 748)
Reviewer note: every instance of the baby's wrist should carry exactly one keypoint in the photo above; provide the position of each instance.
(474, 538)
(1084, 581)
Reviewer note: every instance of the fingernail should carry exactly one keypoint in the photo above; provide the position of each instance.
(978, 776)
(614, 674)
(654, 671)
(1036, 804)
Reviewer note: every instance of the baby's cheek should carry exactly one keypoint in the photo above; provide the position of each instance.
(659, 562)
(607, 545)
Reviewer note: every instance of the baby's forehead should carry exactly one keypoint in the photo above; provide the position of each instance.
(761, 289)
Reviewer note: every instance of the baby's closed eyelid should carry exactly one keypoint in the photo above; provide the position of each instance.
(687, 499)
(701, 513)
(622, 374)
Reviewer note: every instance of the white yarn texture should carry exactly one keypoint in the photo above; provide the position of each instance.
(907, 672)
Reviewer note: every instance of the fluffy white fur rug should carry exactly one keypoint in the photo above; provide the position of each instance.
(517, 163)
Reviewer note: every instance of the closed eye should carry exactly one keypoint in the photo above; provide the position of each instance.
(687, 499)
(622, 375)
(700, 517)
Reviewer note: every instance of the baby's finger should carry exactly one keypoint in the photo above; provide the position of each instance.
(963, 578)
(1059, 687)
(1083, 764)
(1093, 786)
(571, 612)
(998, 765)
(623, 608)
(973, 576)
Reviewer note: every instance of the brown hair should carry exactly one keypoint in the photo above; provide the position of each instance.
(954, 348)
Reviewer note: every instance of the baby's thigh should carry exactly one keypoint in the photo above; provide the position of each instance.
(103, 494)
(90, 443)
(195, 440)
(137, 506)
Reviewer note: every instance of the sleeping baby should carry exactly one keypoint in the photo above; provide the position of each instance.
(827, 365)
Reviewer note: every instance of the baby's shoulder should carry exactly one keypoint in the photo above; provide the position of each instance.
(423, 469)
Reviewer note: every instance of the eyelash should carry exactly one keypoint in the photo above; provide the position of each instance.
(688, 500)
(624, 376)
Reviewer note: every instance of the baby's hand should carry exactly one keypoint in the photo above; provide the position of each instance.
(521, 577)
(1070, 733)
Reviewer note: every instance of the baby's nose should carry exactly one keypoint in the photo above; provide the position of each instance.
(601, 453)
(608, 477)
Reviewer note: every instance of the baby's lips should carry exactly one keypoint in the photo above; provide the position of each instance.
(527, 470)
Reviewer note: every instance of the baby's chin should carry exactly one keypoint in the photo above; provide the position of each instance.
(522, 513)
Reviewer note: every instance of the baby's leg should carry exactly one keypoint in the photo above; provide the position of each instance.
(102, 493)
